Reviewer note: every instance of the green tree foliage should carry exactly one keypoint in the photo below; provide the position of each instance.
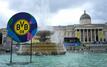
(44, 35)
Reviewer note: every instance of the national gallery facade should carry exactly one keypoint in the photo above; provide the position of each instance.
(85, 31)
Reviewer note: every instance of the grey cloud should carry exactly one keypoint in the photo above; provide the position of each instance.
(56, 5)
(44, 8)
(51, 6)
(34, 6)
(38, 8)
(99, 10)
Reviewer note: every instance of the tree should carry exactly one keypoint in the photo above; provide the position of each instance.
(44, 35)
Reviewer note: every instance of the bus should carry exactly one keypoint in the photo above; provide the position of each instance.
(71, 41)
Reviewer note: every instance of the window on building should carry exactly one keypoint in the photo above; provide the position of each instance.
(85, 39)
(93, 37)
(77, 29)
(100, 29)
(96, 34)
(0, 38)
(85, 34)
(89, 35)
(81, 34)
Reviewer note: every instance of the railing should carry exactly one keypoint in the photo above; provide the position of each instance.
(96, 44)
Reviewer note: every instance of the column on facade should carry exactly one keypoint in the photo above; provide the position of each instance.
(70, 33)
(104, 38)
(66, 33)
(87, 36)
(60, 34)
(80, 34)
(83, 36)
(63, 36)
(94, 34)
(98, 35)
(91, 35)
(75, 32)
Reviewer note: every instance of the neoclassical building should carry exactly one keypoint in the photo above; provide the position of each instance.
(85, 31)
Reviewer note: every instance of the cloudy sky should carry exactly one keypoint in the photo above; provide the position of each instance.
(54, 12)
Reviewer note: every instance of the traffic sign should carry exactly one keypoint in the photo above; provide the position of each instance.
(22, 27)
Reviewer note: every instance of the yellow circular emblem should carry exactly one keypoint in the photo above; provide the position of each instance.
(22, 27)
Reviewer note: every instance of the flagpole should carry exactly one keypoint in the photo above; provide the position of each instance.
(11, 51)
(31, 52)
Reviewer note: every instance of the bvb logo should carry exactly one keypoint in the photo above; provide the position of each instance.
(22, 27)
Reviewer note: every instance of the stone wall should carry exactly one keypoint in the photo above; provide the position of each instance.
(42, 49)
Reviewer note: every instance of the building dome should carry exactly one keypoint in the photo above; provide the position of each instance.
(85, 19)
(85, 16)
